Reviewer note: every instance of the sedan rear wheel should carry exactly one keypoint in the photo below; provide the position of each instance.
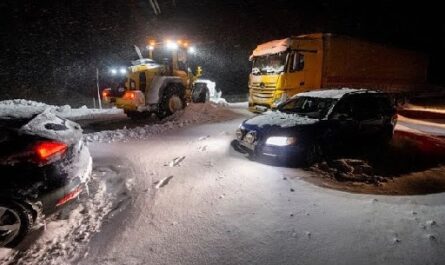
(15, 223)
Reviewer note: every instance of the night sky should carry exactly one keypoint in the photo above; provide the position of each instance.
(51, 48)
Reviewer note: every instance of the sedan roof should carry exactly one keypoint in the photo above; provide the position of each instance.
(334, 93)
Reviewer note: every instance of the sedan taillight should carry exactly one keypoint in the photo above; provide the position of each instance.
(48, 149)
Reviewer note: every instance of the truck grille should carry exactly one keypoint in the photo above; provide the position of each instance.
(262, 92)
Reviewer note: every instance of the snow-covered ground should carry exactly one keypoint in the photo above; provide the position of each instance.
(409, 106)
(427, 127)
(193, 114)
(63, 238)
(199, 202)
(191, 199)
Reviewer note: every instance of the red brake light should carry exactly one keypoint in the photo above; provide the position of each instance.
(45, 150)
(105, 93)
(129, 95)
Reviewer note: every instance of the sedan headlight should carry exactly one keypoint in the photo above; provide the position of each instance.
(250, 137)
(281, 140)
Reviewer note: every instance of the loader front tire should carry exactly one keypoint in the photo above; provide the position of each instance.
(172, 101)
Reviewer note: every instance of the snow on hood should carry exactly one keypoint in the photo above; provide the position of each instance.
(26, 109)
(281, 119)
(48, 125)
(271, 47)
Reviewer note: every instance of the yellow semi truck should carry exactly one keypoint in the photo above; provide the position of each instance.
(160, 84)
(283, 68)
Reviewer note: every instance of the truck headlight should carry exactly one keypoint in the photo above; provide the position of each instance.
(281, 140)
(282, 98)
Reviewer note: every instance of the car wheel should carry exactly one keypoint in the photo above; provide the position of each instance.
(313, 155)
(171, 102)
(15, 222)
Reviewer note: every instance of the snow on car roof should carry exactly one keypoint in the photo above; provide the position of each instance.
(271, 47)
(333, 93)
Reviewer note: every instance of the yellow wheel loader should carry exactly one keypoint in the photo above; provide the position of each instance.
(160, 84)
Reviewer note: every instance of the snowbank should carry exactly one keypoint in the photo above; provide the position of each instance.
(21, 108)
(193, 114)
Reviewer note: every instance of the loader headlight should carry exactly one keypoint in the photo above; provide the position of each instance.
(281, 140)
(191, 50)
(171, 45)
(113, 71)
(123, 71)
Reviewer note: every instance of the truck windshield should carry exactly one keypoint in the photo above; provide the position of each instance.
(316, 108)
(269, 64)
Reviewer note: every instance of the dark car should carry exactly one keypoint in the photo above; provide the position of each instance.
(44, 164)
(319, 122)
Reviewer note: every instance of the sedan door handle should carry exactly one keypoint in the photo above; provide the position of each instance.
(302, 83)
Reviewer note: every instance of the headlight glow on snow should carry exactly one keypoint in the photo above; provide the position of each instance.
(123, 71)
(280, 140)
(113, 71)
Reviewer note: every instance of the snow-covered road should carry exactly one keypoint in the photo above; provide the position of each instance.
(196, 201)
(174, 192)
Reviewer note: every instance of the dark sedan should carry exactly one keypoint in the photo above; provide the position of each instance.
(319, 122)
(44, 164)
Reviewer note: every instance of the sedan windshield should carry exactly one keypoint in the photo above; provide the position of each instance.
(316, 108)
(269, 64)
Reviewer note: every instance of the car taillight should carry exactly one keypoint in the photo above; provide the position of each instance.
(46, 150)
(69, 196)
(129, 95)
(105, 93)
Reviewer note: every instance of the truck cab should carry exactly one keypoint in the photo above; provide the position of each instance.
(283, 68)
(280, 70)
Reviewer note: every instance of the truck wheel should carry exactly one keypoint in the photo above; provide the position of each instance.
(172, 101)
(15, 222)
